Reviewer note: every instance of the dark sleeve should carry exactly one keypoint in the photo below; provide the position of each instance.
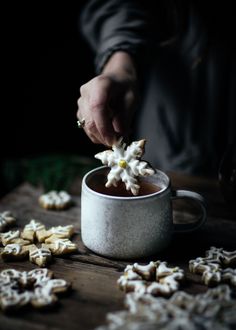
(111, 25)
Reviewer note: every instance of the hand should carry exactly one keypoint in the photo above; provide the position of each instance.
(107, 101)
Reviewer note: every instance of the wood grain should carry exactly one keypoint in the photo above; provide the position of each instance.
(94, 290)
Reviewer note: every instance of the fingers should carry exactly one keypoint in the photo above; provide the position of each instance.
(89, 126)
(122, 120)
(93, 106)
(118, 123)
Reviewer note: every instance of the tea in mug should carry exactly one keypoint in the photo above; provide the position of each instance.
(146, 188)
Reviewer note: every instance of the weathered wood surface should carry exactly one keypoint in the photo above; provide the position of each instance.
(94, 290)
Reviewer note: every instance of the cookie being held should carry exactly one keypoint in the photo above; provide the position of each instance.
(126, 164)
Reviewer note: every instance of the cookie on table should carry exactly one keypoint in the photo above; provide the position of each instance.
(33, 230)
(36, 288)
(125, 164)
(214, 267)
(214, 309)
(6, 219)
(40, 256)
(57, 232)
(37, 243)
(12, 237)
(156, 279)
(60, 246)
(9, 236)
(55, 200)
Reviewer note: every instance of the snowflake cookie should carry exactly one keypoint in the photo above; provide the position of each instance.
(155, 279)
(214, 267)
(214, 309)
(125, 164)
(6, 219)
(55, 200)
(55, 241)
(36, 288)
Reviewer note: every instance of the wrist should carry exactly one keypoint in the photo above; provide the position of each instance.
(120, 66)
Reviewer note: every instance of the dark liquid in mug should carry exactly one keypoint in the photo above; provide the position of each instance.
(146, 188)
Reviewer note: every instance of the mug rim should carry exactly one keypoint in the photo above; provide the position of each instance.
(126, 198)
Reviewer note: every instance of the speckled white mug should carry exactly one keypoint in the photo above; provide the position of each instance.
(131, 227)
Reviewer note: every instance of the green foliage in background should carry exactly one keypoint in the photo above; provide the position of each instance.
(50, 171)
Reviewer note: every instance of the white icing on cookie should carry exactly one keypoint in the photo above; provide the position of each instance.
(9, 236)
(6, 219)
(34, 226)
(55, 199)
(155, 278)
(125, 164)
(40, 256)
(146, 271)
(12, 248)
(212, 267)
(15, 293)
(62, 246)
(55, 239)
(214, 309)
(62, 230)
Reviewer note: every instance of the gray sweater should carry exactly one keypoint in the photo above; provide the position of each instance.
(187, 74)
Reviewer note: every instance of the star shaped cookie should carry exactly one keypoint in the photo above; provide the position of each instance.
(155, 279)
(126, 164)
(55, 241)
(36, 288)
(214, 267)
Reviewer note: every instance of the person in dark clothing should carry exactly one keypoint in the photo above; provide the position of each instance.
(165, 72)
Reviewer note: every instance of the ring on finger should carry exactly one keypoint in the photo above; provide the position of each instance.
(81, 123)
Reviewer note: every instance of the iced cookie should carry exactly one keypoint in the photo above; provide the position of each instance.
(56, 232)
(125, 164)
(15, 251)
(214, 267)
(32, 230)
(60, 246)
(55, 241)
(12, 237)
(40, 255)
(214, 309)
(185, 311)
(6, 219)
(55, 200)
(36, 288)
(155, 279)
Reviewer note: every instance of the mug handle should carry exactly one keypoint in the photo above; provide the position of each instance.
(189, 227)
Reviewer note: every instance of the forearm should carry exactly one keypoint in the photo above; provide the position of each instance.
(112, 26)
(121, 66)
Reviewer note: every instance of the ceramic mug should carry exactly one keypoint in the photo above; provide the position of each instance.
(126, 226)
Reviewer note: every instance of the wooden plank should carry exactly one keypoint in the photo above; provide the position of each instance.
(94, 293)
(23, 202)
(94, 289)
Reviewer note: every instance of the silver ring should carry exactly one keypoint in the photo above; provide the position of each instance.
(81, 123)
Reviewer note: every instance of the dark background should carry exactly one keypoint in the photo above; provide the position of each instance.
(45, 60)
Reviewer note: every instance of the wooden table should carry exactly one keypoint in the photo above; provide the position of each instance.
(94, 290)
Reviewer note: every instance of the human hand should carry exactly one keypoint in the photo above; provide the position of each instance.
(107, 101)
